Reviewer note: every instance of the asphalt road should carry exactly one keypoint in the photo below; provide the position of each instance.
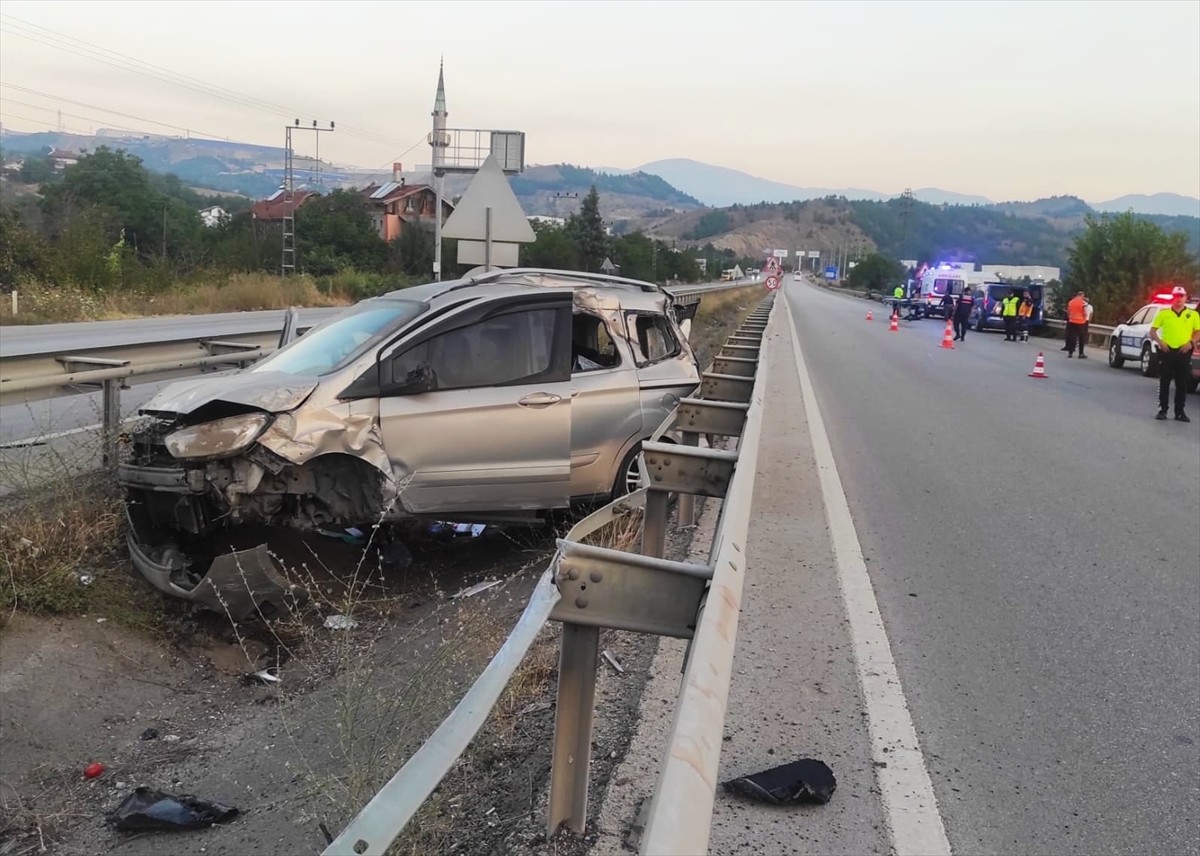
(1034, 547)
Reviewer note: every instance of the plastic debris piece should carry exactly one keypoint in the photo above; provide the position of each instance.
(612, 661)
(263, 676)
(150, 734)
(93, 770)
(84, 578)
(171, 738)
(340, 622)
(147, 808)
(476, 589)
(803, 781)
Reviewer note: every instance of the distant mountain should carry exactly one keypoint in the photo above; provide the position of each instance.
(1172, 204)
(720, 186)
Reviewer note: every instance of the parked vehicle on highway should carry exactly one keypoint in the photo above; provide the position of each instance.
(496, 398)
(934, 284)
(985, 314)
(1131, 340)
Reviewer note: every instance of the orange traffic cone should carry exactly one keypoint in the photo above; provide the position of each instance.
(895, 325)
(869, 315)
(947, 342)
(1039, 367)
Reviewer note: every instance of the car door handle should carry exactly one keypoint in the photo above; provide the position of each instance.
(539, 399)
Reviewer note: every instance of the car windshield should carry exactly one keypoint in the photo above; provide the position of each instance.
(327, 345)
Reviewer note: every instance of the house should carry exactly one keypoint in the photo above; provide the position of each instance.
(396, 203)
(213, 216)
(62, 159)
(275, 206)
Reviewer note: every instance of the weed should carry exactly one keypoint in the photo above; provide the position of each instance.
(718, 316)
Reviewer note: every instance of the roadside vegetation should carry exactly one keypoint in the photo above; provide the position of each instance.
(106, 238)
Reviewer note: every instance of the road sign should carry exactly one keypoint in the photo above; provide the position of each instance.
(831, 272)
(814, 254)
(488, 220)
(781, 254)
(772, 282)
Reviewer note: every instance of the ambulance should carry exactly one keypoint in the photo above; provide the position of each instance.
(934, 282)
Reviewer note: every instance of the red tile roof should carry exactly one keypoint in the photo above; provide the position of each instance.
(275, 206)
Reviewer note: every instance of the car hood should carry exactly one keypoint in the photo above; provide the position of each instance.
(271, 392)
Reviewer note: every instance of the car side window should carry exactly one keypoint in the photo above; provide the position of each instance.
(1140, 316)
(652, 338)
(506, 349)
(592, 345)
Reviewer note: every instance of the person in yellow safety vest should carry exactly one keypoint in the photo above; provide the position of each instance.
(1176, 331)
(897, 296)
(1024, 313)
(1008, 311)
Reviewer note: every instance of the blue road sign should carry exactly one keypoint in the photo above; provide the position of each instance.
(831, 272)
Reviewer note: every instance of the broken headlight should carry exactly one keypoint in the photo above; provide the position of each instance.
(217, 439)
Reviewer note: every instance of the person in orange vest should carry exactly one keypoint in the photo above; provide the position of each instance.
(1024, 313)
(1077, 319)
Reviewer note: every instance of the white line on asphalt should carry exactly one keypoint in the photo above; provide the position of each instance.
(910, 805)
(43, 438)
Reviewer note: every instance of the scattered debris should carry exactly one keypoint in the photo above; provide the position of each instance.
(85, 579)
(171, 738)
(101, 620)
(351, 535)
(803, 781)
(263, 676)
(474, 529)
(150, 734)
(93, 770)
(612, 661)
(535, 707)
(146, 808)
(476, 589)
(340, 622)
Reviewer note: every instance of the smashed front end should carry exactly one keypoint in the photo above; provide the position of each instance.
(215, 462)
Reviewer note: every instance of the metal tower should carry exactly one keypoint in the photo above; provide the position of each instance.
(287, 263)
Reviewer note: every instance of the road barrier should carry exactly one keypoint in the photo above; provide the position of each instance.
(588, 588)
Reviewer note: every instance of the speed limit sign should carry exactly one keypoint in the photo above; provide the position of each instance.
(772, 282)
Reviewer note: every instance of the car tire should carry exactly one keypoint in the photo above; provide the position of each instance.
(1115, 359)
(1149, 362)
(627, 476)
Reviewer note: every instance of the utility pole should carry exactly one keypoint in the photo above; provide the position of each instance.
(287, 262)
(164, 248)
(906, 203)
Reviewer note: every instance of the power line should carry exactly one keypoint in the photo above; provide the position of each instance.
(73, 116)
(53, 97)
(79, 47)
(51, 125)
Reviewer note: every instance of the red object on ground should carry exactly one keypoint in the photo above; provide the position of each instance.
(93, 770)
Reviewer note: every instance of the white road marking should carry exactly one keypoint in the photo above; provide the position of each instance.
(909, 803)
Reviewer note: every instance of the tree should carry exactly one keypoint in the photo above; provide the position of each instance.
(335, 232)
(37, 170)
(1121, 260)
(553, 248)
(413, 250)
(587, 231)
(876, 273)
(22, 254)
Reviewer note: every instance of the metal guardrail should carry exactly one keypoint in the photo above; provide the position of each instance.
(588, 588)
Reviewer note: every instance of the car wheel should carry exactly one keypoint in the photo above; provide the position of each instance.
(629, 476)
(1149, 362)
(1114, 353)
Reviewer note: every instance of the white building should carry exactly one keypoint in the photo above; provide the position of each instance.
(213, 216)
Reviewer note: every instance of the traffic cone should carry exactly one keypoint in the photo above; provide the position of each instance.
(870, 317)
(895, 325)
(947, 342)
(1039, 367)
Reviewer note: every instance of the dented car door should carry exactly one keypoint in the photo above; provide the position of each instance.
(475, 411)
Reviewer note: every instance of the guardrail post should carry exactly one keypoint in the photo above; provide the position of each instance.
(577, 662)
(687, 501)
(654, 523)
(111, 395)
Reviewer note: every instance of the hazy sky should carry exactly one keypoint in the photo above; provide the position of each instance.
(1011, 100)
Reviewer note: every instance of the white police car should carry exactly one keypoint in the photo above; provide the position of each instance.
(1131, 340)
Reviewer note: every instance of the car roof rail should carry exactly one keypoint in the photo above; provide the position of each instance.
(641, 285)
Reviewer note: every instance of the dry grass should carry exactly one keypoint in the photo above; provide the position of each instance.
(718, 316)
(41, 303)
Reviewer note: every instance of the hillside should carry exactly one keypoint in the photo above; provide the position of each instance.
(1039, 232)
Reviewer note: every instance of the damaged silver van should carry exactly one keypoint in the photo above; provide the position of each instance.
(496, 398)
